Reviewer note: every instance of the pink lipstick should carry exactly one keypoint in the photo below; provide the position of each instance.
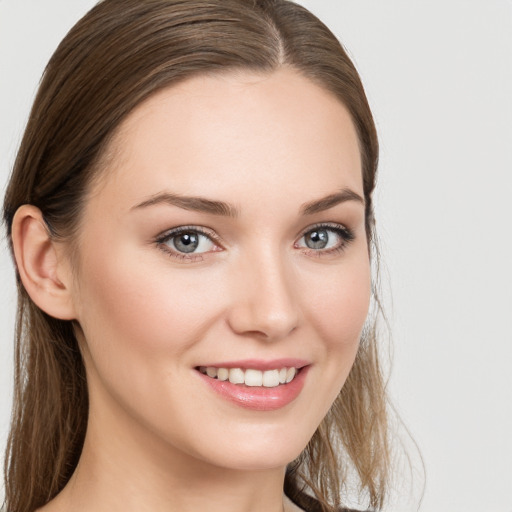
(256, 384)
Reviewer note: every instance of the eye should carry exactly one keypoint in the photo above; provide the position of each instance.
(187, 242)
(326, 238)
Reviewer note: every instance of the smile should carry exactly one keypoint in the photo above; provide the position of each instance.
(256, 384)
(250, 376)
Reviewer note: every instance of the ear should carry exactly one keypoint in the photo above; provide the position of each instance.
(43, 268)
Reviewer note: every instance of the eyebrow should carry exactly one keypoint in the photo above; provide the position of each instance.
(320, 205)
(199, 204)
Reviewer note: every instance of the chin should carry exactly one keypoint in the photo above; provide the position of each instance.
(248, 460)
(257, 452)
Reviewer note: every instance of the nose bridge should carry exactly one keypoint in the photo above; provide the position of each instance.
(265, 305)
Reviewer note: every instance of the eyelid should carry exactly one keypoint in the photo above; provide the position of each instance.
(346, 234)
(335, 226)
(166, 235)
(210, 233)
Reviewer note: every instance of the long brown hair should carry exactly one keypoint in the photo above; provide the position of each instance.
(118, 55)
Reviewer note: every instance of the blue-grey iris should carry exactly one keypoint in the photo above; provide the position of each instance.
(186, 242)
(317, 239)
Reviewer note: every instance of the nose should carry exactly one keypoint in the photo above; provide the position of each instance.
(264, 304)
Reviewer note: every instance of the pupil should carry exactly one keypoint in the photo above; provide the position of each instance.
(317, 239)
(186, 242)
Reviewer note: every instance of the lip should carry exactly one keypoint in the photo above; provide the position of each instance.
(260, 364)
(259, 398)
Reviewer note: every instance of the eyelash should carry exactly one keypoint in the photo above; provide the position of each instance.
(345, 234)
(175, 232)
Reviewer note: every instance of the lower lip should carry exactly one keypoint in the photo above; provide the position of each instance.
(259, 398)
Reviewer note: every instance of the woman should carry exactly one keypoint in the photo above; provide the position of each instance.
(190, 215)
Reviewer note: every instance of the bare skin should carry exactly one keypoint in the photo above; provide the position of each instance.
(258, 286)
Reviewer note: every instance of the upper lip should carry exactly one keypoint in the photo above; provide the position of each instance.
(261, 364)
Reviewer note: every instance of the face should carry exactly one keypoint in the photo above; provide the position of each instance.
(223, 277)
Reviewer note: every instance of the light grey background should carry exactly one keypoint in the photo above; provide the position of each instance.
(439, 78)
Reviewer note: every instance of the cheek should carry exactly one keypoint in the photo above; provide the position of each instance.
(141, 322)
(338, 311)
(128, 301)
(336, 302)
(339, 306)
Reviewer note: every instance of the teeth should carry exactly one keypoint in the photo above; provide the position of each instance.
(236, 376)
(251, 377)
(223, 374)
(290, 374)
(271, 378)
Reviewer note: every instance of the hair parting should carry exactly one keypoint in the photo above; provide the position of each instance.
(117, 56)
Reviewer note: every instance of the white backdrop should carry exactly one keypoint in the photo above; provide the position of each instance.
(439, 78)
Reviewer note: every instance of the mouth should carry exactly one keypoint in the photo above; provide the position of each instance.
(261, 386)
(251, 377)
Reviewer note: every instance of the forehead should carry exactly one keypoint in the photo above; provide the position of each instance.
(212, 135)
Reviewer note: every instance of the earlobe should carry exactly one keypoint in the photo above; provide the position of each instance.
(42, 269)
